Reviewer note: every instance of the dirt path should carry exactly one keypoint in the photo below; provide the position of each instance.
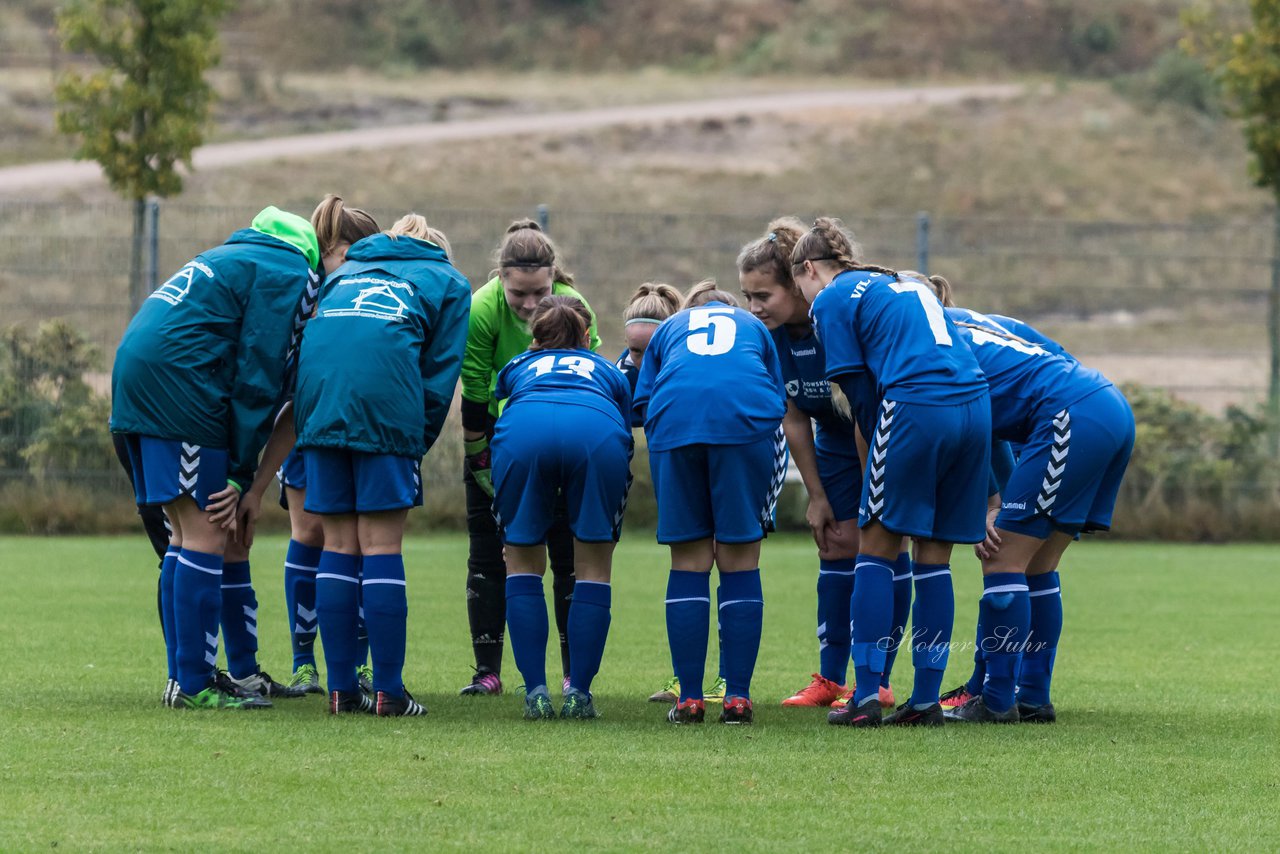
(69, 173)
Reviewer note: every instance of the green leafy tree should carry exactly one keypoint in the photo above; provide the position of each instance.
(143, 111)
(1240, 45)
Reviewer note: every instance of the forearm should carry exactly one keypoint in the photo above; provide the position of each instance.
(279, 444)
(799, 432)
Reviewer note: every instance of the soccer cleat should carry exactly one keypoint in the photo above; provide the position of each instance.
(214, 697)
(578, 704)
(305, 678)
(262, 683)
(737, 710)
(343, 702)
(484, 682)
(688, 712)
(364, 678)
(885, 695)
(955, 698)
(820, 692)
(537, 707)
(866, 715)
(975, 711)
(1037, 714)
(404, 706)
(715, 694)
(223, 682)
(564, 687)
(170, 689)
(668, 693)
(906, 715)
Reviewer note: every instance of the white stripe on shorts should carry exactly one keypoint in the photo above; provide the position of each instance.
(183, 560)
(932, 574)
(1006, 588)
(299, 567)
(695, 599)
(398, 581)
(724, 605)
(1046, 592)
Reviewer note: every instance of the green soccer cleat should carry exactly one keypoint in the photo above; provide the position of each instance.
(364, 677)
(668, 693)
(214, 697)
(715, 694)
(306, 679)
(578, 704)
(537, 707)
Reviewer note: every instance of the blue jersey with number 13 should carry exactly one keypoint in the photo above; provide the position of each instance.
(710, 376)
(574, 377)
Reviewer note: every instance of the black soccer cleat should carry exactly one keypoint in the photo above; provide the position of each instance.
(907, 715)
(866, 715)
(483, 682)
(344, 702)
(976, 712)
(737, 710)
(1037, 714)
(262, 683)
(404, 706)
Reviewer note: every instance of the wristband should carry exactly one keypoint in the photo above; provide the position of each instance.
(239, 488)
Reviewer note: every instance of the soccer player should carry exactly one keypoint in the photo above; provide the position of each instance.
(196, 380)
(823, 443)
(926, 476)
(376, 375)
(1075, 430)
(529, 269)
(712, 396)
(563, 430)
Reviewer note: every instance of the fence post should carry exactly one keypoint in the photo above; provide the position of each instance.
(544, 217)
(153, 245)
(1273, 334)
(922, 242)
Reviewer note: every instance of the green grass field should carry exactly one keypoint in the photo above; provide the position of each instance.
(1167, 736)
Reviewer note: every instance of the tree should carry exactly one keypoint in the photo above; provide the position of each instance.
(1243, 53)
(144, 110)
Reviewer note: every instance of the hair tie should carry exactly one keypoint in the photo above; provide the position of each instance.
(773, 237)
(526, 262)
(652, 320)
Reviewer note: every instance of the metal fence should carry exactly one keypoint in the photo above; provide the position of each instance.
(1182, 306)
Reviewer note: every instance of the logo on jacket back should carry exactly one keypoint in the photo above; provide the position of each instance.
(377, 299)
(176, 289)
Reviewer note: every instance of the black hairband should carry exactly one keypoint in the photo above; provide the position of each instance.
(526, 262)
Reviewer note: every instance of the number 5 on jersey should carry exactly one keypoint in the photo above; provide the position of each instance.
(719, 335)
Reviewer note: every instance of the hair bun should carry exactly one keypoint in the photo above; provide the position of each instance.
(522, 224)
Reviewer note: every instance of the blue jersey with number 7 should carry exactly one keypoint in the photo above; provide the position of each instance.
(897, 332)
(575, 377)
(710, 376)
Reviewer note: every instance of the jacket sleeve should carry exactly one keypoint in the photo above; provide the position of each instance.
(443, 356)
(260, 367)
(477, 363)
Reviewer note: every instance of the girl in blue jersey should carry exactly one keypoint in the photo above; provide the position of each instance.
(711, 391)
(824, 446)
(196, 380)
(563, 430)
(363, 425)
(1075, 430)
(929, 455)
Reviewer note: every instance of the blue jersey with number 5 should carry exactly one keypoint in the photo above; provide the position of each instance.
(575, 377)
(897, 332)
(1028, 382)
(710, 376)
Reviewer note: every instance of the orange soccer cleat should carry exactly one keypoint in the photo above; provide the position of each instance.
(820, 692)
(886, 698)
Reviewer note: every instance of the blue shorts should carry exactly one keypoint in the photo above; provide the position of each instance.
(1070, 469)
(165, 470)
(342, 481)
(541, 450)
(928, 470)
(720, 491)
(840, 471)
(292, 474)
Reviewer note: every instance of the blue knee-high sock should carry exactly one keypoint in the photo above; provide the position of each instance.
(979, 675)
(387, 608)
(932, 617)
(527, 628)
(1006, 617)
(167, 620)
(197, 597)
(741, 613)
(835, 591)
(239, 619)
(362, 629)
(901, 610)
(1042, 647)
(871, 608)
(337, 598)
(588, 629)
(300, 563)
(688, 623)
